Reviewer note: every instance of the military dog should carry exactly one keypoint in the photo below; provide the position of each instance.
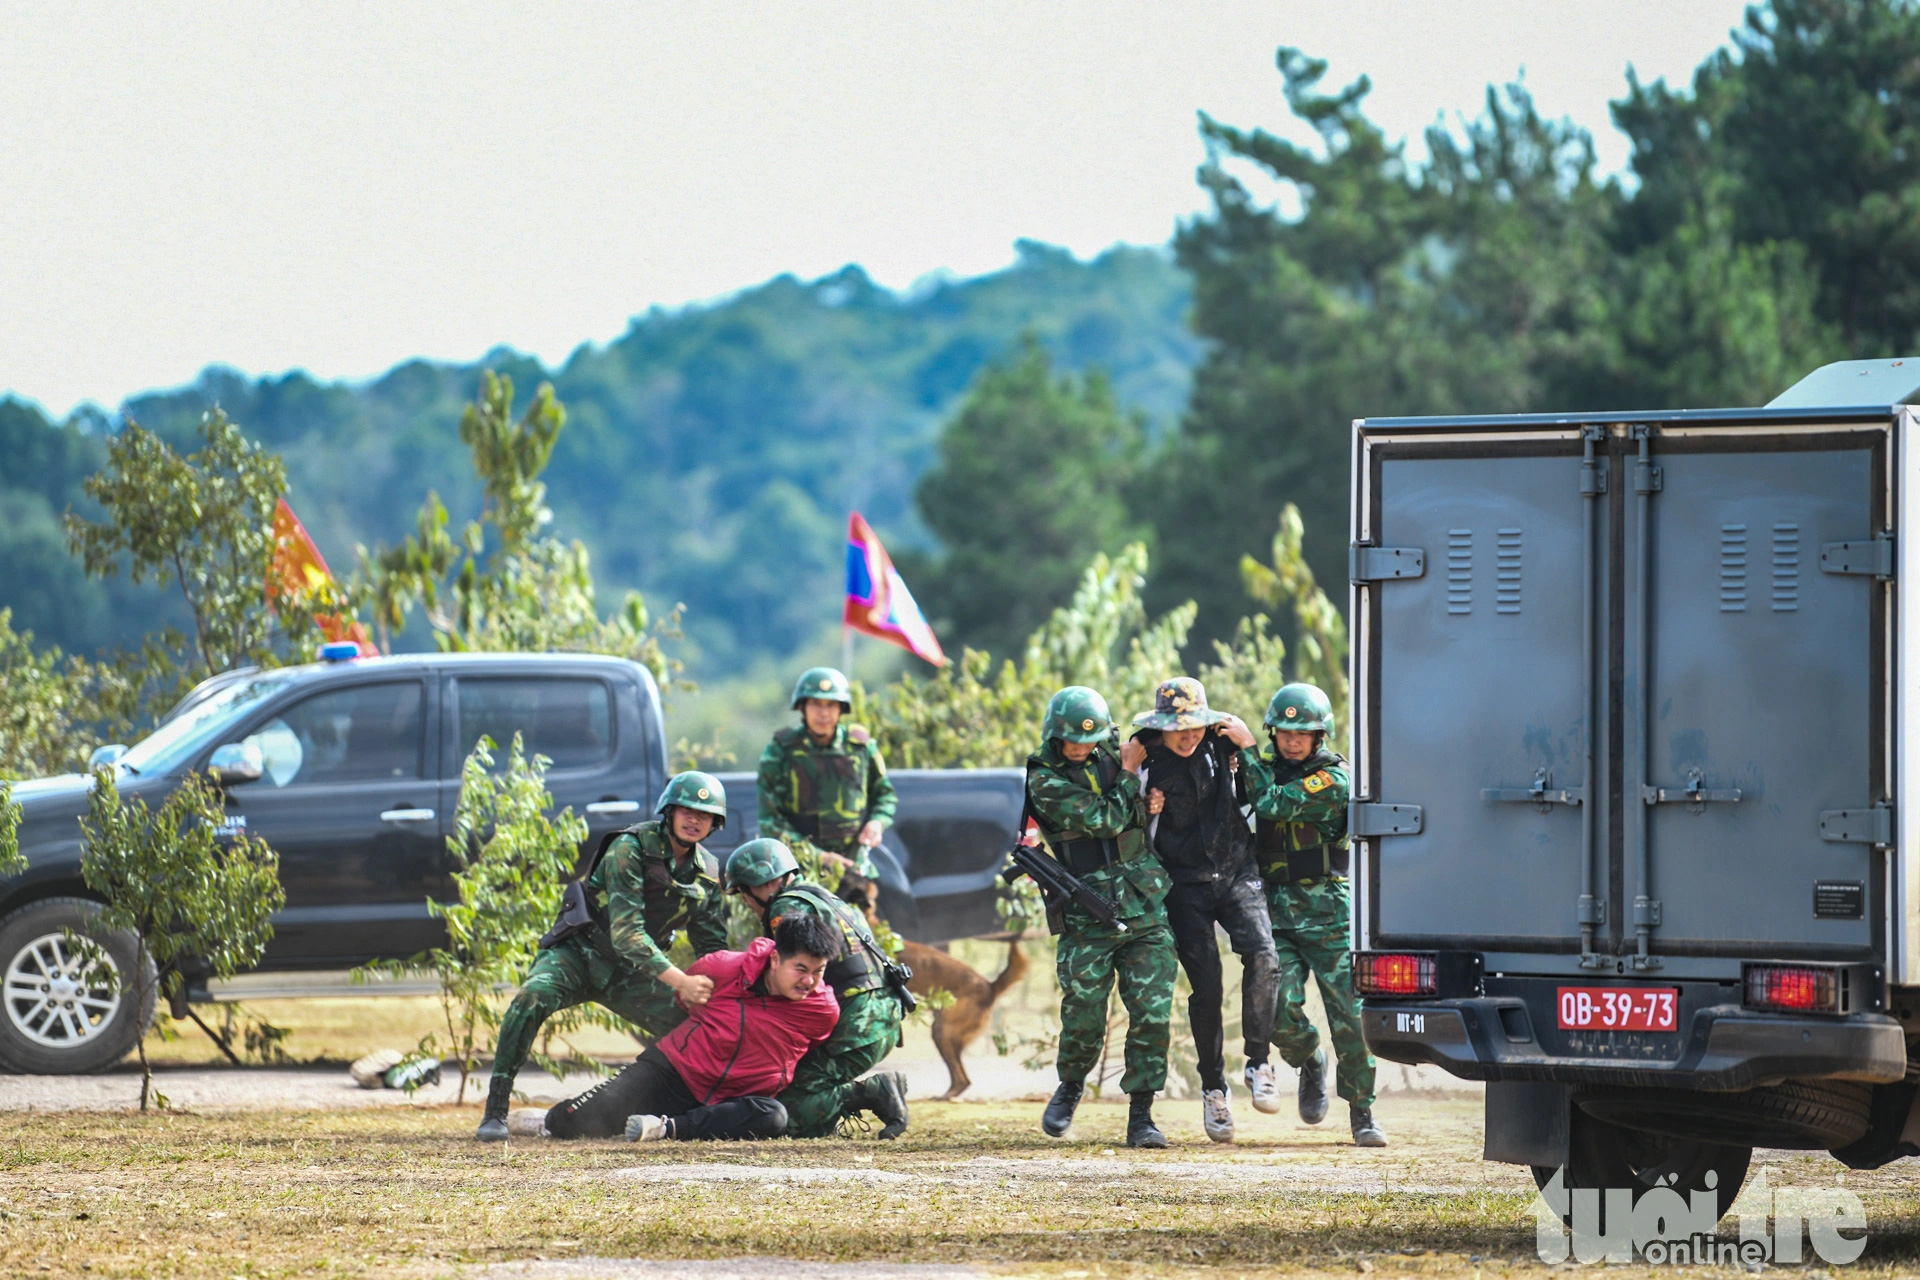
(962, 1021)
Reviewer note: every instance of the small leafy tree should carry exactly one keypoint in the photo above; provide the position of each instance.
(55, 708)
(1320, 631)
(202, 522)
(179, 885)
(504, 585)
(515, 862)
(11, 863)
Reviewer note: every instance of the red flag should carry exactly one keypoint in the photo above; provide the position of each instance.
(878, 602)
(297, 569)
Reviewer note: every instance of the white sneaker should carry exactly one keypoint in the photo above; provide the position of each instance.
(1216, 1115)
(646, 1128)
(370, 1072)
(1265, 1089)
(527, 1122)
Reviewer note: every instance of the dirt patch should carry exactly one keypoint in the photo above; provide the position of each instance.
(735, 1269)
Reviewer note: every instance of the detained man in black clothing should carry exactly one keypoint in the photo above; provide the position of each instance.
(1199, 832)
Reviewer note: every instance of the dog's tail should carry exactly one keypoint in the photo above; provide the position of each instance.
(1016, 968)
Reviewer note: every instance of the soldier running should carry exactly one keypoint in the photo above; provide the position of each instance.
(648, 882)
(823, 780)
(1199, 833)
(827, 1085)
(1299, 796)
(1087, 801)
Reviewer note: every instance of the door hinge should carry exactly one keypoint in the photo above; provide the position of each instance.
(1371, 818)
(1379, 564)
(1646, 911)
(1872, 558)
(1858, 826)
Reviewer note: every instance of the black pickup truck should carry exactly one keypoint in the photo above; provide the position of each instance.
(350, 769)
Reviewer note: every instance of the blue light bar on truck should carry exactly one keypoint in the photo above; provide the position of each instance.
(339, 651)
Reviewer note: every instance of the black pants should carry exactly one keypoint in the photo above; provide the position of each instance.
(652, 1086)
(1240, 907)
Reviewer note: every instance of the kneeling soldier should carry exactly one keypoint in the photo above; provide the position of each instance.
(1086, 799)
(1299, 798)
(647, 882)
(827, 1084)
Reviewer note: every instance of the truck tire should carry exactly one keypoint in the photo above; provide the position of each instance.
(1602, 1155)
(51, 1024)
(1799, 1115)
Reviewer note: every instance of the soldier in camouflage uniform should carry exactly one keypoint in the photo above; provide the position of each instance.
(824, 781)
(1087, 801)
(1299, 795)
(826, 1085)
(647, 882)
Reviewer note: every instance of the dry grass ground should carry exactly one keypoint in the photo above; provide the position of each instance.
(408, 1193)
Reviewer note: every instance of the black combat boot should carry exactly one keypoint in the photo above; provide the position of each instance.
(1365, 1132)
(885, 1094)
(1313, 1088)
(1141, 1130)
(493, 1125)
(1058, 1117)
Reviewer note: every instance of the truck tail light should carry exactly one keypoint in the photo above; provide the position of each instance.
(1394, 973)
(1795, 988)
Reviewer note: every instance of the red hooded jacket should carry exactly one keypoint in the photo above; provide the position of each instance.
(741, 1043)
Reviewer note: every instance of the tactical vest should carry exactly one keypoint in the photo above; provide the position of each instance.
(670, 903)
(812, 814)
(1282, 848)
(1078, 851)
(858, 966)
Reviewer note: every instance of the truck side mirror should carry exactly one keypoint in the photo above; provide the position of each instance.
(105, 755)
(235, 763)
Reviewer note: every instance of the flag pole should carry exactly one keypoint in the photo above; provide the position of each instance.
(846, 652)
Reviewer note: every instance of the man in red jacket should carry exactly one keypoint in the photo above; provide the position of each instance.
(714, 1076)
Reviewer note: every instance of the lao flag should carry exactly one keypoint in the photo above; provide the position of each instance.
(878, 602)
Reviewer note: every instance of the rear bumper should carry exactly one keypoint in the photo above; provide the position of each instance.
(1721, 1046)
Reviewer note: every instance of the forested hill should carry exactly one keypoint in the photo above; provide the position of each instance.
(710, 454)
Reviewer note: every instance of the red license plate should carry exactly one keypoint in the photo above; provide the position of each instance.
(1618, 1008)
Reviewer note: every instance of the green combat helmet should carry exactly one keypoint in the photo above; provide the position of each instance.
(758, 861)
(1300, 708)
(824, 683)
(1077, 714)
(701, 792)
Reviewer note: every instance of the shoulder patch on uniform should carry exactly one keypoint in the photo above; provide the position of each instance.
(1317, 782)
(858, 733)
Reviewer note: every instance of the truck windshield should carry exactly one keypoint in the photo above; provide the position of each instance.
(168, 747)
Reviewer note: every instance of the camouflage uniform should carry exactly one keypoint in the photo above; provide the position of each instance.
(825, 794)
(645, 899)
(1297, 807)
(823, 1088)
(1096, 810)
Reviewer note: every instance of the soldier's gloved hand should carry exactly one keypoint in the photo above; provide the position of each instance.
(1133, 754)
(870, 834)
(1156, 800)
(692, 988)
(1235, 730)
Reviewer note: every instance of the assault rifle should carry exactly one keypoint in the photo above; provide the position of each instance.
(1057, 884)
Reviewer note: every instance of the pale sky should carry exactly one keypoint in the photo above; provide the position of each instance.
(339, 187)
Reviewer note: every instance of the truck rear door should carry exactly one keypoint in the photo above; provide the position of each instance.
(1630, 675)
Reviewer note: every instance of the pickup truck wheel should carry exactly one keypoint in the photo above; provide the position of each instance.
(1602, 1155)
(53, 1021)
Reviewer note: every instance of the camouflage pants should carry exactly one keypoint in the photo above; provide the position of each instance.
(572, 973)
(1312, 932)
(1088, 960)
(868, 1030)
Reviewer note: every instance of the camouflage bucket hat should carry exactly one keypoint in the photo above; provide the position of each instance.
(1180, 703)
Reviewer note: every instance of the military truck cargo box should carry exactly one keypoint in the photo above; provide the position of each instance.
(1637, 774)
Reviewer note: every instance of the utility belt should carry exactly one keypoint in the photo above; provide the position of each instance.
(1329, 858)
(825, 831)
